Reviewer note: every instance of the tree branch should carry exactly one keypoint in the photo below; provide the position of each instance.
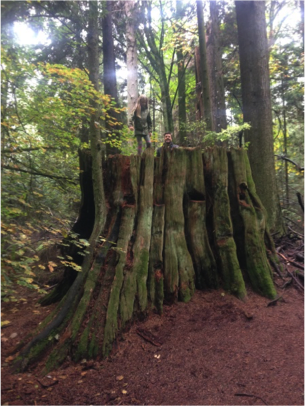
(37, 173)
(184, 70)
(18, 149)
(299, 168)
(171, 67)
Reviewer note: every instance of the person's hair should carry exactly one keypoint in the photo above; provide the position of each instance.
(167, 132)
(137, 110)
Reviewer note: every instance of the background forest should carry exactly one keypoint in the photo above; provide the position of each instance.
(185, 56)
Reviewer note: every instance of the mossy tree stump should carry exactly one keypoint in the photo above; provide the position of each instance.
(187, 219)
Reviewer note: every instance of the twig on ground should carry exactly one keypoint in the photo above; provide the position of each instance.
(297, 265)
(286, 284)
(296, 280)
(52, 383)
(250, 396)
(148, 337)
(291, 262)
(295, 232)
(274, 302)
(274, 265)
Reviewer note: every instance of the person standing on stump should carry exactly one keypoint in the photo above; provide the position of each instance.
(141, 123)
(168, 143)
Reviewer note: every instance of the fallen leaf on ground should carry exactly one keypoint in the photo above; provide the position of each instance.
(5, 323)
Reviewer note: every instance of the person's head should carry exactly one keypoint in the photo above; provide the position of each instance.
(167, 138)
(142, 103)
(143, 100)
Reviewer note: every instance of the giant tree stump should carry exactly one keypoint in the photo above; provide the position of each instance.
(187, 219)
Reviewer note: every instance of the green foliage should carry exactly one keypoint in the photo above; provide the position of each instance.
(45, 108)
(18, 259)
(198, 136)
(287, 90)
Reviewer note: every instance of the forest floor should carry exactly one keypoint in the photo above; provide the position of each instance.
(215, 350)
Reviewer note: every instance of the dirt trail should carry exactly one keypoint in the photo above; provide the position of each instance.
(215, 350)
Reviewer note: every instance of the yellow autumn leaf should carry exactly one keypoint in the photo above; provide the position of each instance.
(5, 323)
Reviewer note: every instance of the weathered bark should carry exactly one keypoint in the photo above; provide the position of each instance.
(181, 83)
(219, 120)
(185, 219)
(199, 104)
(216, 175)
(204, 75)
(109, 77)
(131, 58)
(255, 81)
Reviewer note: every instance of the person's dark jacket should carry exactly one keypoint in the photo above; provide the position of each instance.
(143, 125)
(168, 146)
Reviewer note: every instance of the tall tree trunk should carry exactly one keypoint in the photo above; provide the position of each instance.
(302, 19)
(109, 79)
(185, 219)
(219, 120)
(205, 85)
(254, 56)
(110, 84)
(285, 144)
(181, 83)
(95, 134)
(199, 104)
(131, 58)
(154, 53)
(166, 101)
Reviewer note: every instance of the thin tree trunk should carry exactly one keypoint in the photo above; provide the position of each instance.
(219, 120)
(285, 146)
(109, 77)
(154, 53)
(131, 58)
(205, 86)
(199, 105)
(181, 83)
(302, 19)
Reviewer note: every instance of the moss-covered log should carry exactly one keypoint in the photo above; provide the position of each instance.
(186, 219)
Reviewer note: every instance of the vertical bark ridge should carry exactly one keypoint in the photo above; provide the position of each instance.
(195, 222)
(254, 225)
(178, 266)
(155, 281)
(135, 278)
(125, 234)
(217, 171)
